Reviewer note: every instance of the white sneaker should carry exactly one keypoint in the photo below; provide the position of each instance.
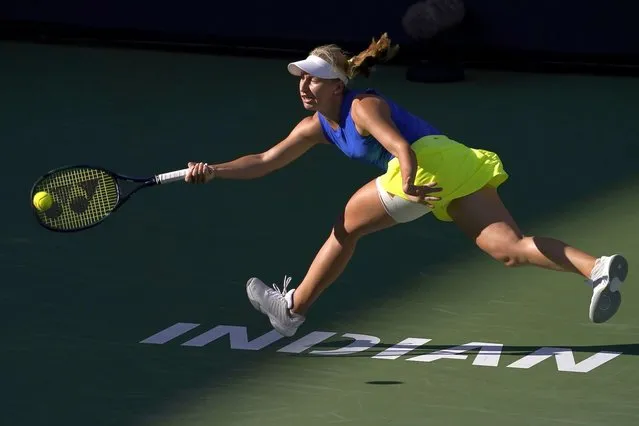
(275, 304)
(606, 279)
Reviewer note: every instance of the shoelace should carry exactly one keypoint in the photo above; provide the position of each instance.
(287, 281)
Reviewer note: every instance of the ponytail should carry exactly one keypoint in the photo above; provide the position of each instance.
(378, 51)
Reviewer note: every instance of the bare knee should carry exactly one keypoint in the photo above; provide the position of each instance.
(363, 214)
(346, 234)
(512, 253)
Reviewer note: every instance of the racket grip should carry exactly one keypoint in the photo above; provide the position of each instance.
(171, 176)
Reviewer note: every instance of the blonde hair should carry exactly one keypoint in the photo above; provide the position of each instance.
(377, 52)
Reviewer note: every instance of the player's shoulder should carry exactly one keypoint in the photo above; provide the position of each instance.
(311, 124)
(309, 128)
(368, 97)
(365, 103)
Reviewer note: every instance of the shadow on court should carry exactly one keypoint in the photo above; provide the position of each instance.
(73, 340)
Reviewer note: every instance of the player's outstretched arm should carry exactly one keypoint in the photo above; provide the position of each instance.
(303, 137)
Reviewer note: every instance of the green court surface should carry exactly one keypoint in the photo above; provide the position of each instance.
(81, 313)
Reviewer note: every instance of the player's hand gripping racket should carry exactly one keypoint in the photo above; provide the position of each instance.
(81, 197)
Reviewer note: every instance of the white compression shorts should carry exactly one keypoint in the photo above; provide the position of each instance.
(399, 209)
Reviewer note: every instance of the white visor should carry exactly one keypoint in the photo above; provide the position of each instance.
(317, 67)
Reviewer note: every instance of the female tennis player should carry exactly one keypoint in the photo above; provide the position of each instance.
(423, 171)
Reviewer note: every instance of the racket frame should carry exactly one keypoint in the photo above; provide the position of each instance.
(117, 177)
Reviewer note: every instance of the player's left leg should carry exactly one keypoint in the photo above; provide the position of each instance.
(483, 217)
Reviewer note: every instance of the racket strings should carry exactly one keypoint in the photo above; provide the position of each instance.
(82, 197)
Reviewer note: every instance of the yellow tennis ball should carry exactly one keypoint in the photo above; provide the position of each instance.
(42, 201)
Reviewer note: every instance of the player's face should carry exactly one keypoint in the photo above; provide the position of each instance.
(318, 94)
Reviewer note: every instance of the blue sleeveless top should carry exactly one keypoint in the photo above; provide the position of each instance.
(368, 149)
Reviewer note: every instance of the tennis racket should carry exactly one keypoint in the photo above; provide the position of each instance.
(84, 196)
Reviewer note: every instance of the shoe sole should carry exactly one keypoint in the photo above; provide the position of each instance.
(610, 293)
(618, 272)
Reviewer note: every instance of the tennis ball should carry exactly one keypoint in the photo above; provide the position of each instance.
(42, 201)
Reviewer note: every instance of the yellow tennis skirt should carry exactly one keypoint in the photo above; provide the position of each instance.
(456, 168)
